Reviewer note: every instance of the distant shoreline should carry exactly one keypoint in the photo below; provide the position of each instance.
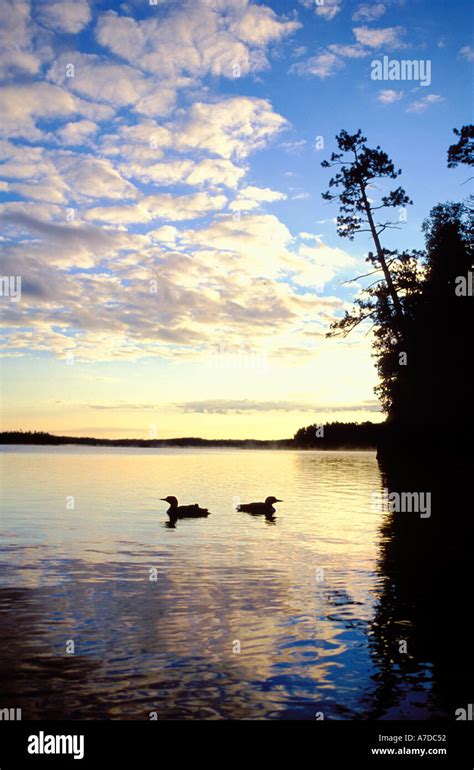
(12, 438)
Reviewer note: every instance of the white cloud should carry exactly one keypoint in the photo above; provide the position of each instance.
(209, 171)
(467, 52)
(15, 24)
(309, 236)
(16, 49)
(233, 127)
(213, 273)
(368, 12)
(22, 105)
(314, 266)
(94, 177)
(349, 51)
(250, 198)
(143, 142)
(421, 105)
(196, 38)
(70, 244)
(117, 84)
(294, 145)
(18, 61)
(261, 194)
(378, 37)
(322, 66)
(258, 240)
(33, 173)
(328, 9)
(94, 111)
(230, 129)
(70, 17)
(176, 208)
(77, 133)
(258, 25)
(389, 96)
(166, 234)
(229, 278)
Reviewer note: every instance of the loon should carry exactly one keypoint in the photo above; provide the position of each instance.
(176, 511)
(255, 509)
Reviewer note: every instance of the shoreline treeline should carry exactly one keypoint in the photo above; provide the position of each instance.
(335, 435)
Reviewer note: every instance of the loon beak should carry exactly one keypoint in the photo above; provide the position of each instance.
(164, 499)
(278, 501)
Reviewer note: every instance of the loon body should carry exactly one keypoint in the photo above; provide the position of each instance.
(257, 509)
(176, 511)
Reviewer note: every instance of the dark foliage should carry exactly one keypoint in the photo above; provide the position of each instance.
(463, 150)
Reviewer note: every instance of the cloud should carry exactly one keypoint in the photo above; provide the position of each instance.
(263, 246)
(175, 208)
(467, 52)
(314, 266)
(389, 96)
(16, 48)
(73, 244)
(58, 176)
(87, 281)
(256, 241)
(421, 105)
(209, 171)
(142, 142)
(251, 197)
(367, 12)
(328, 9)
(372, 37)
(77, 133)
(22, 105)
(196, 38)
(233, 406)
(294, 145)
(233, 127)
(166, 234)
(117, 84)
(259, 25)
(237, 406)
(330, 61)
(309, 236)
(70, 17)
(322, 66)
(94, 177)
(349, 51)
(227, 276)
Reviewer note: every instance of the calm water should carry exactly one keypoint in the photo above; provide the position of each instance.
(301, 596)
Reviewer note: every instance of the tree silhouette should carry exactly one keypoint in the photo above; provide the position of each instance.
(463, 150)
(434, 385)
(356, 176)
(420, 323)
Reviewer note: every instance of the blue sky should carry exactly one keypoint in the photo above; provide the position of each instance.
(161, 202)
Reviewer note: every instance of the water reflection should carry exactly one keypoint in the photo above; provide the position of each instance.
(425, 564)
(231, 617)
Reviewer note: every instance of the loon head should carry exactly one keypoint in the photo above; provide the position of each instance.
(171, 500)
(271, 500)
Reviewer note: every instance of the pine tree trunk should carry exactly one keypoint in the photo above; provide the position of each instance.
(381, 257)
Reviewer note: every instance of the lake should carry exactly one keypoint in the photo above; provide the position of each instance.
(107, 612)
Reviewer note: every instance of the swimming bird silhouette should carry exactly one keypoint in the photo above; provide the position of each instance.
(176, 511)
(266, 508)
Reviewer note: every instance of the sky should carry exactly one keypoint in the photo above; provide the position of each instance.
(161, 203)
